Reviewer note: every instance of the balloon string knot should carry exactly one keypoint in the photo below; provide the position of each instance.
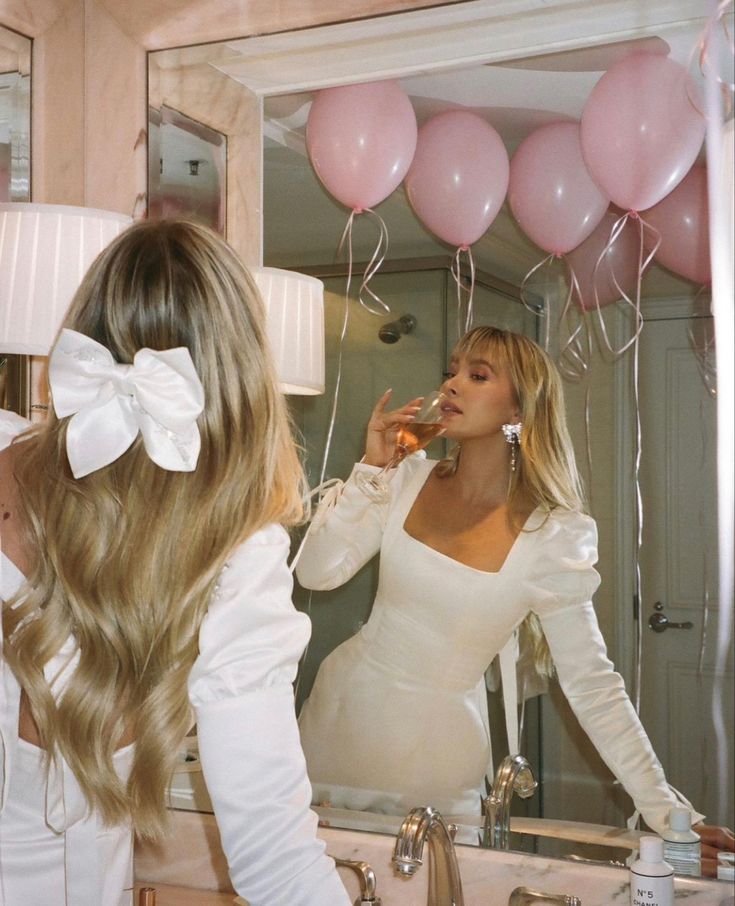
(634, 215)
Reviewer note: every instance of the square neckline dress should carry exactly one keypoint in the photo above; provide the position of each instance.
(398, 713)
(397, 716)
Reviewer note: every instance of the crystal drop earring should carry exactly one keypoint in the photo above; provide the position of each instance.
(512, 435)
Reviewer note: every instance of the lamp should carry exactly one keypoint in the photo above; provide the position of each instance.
(294, 305)
(45, 250)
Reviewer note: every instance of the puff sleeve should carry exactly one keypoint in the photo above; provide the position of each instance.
(240, 687)
(344, 536)
(563, 584)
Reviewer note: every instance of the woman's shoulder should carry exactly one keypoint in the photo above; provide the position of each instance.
(561, 519)
(563, 530)
(420, 463)
(411, 475)
(11, 425)
(260, 551)
(562, 570)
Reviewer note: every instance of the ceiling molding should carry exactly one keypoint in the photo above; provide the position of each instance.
(445, 38)
(33, 18)
(175, 23)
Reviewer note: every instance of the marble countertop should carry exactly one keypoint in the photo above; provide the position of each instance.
(192, 858)
(168, 895)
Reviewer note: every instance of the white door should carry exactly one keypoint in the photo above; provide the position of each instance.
(679, 566)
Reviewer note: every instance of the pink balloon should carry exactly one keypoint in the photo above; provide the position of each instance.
(360, 140)
(682, 219)
(621, 260)
(553, 197)
(459, 176)
(640, 131)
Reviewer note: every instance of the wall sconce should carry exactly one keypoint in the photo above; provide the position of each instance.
(45, 250)
(294, 305)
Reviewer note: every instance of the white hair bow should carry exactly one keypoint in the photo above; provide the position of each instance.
(159, 395)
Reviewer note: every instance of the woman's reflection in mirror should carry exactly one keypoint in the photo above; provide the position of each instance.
(471, 548)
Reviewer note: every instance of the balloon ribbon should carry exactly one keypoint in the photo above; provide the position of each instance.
(470, 290)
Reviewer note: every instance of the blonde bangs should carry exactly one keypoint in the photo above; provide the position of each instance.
(546, 474)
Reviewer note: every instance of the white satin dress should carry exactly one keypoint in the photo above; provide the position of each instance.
(53, 852)
(397, 716)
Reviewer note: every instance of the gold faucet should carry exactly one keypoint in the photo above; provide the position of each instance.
(513, 775)
(366, 876)
(445, 885)
(523, 896)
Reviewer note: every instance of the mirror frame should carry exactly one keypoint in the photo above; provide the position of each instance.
(541, 39)
(15, 370)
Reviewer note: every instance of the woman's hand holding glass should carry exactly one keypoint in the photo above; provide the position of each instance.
(391, 436)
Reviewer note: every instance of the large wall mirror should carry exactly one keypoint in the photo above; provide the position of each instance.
(15, 180)
(519, 72)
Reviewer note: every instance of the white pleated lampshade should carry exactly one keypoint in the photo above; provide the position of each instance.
(294, 306)
(45, 250)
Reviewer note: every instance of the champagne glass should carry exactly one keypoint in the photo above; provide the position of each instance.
(411, 437)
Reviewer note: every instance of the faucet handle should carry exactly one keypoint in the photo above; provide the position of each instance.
(365, 873)
(524, 896)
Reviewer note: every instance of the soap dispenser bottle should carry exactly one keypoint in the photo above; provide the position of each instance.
(651, 879)
(682, 846)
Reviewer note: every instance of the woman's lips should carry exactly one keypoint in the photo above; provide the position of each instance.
(450, 409)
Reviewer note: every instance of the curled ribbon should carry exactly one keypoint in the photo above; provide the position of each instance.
(701, 335)
(381, 250)
(643, 262)
(572, 332)
(633, 341)
(456, 269)
(159, 396)
(708, 50)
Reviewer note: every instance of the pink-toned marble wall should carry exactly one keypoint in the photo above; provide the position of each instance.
(89, 112)
(89, 82)
(32, 17)
(115, 113)
(57, 115)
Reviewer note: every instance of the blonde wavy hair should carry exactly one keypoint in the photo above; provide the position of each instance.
(126, 558)
(546, 473)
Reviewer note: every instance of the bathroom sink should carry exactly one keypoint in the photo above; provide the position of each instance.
(542, 836)
(191, 857)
